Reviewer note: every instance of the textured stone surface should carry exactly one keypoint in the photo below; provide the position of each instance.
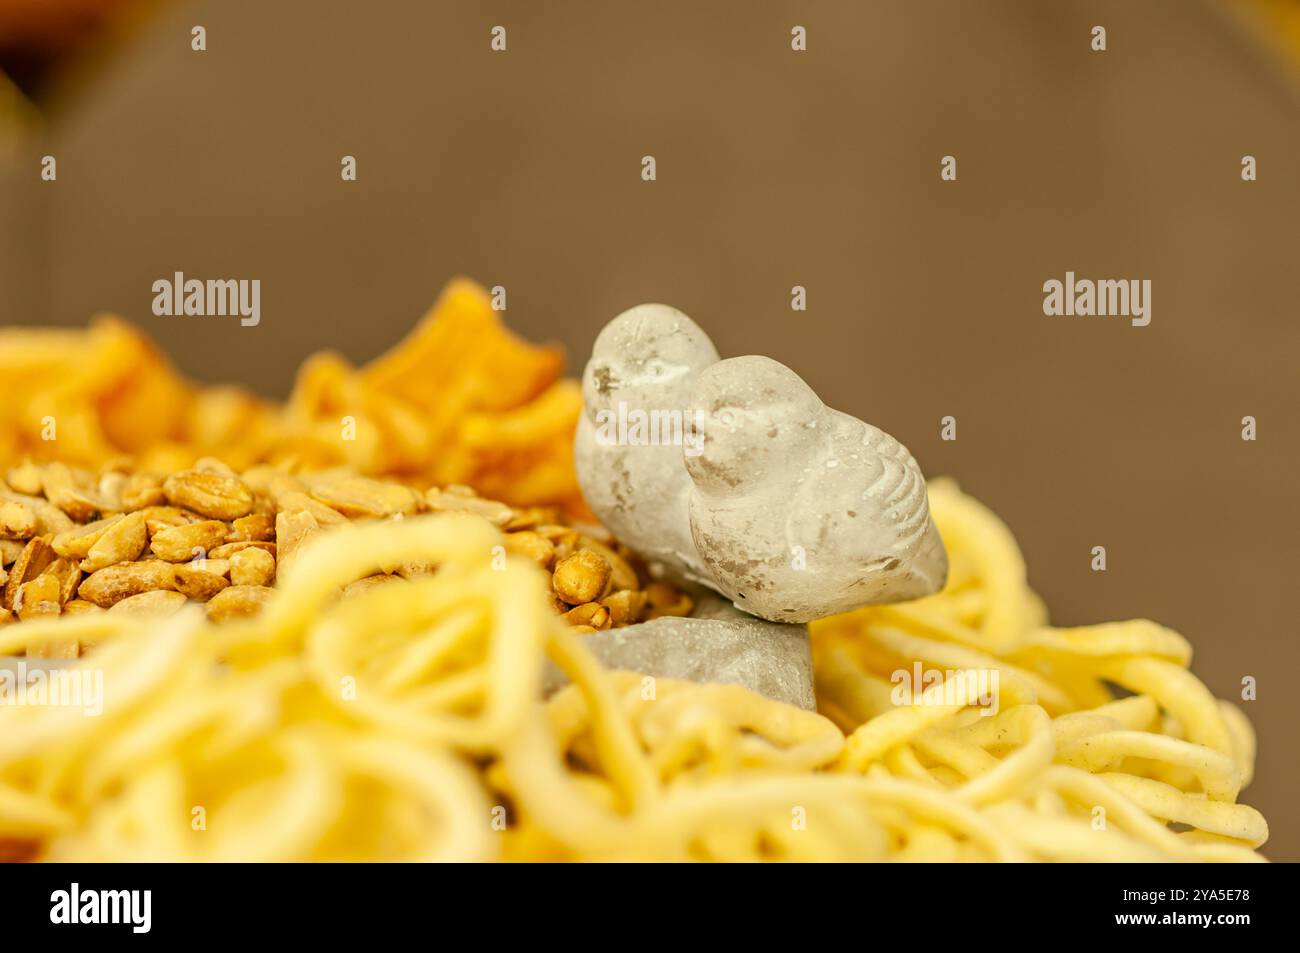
(792, 510)
(718, 644)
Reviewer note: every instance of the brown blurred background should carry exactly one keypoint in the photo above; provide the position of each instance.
(775, 168)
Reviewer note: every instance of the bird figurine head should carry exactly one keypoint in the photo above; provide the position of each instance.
(757, 415)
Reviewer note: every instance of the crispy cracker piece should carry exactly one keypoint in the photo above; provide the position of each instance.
(141, 401)
(462, 343)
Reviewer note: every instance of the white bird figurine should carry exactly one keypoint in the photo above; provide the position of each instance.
(792, 510)
(799, 511)
(646, 359)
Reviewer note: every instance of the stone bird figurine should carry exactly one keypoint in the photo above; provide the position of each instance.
(734, 474)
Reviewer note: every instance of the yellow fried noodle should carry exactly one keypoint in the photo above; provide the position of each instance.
(408, 723)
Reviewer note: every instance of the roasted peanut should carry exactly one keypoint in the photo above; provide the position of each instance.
(38, 598)
(147, 530)
(589, 613)
(142, 490)
(364, 497)
(296, 501)
(461, 499)
(668, 601)
(581, 577)
(158, 602)
(532, 546)
(622, 575)
(291, 531)
(366, 583)
(50, 520)
(254, 526)
(625, 606)
(162, 516)
(530, 517)
(194, 540)
(31, 562)
(10, 550)
(109, 491)
(17, 520)
(213, 465)
(226, 550)
(237, 602)
(201, 579)
(26, 478)
(252, 567)
(75, 543)
(263, 478)
(114, 583)
(68, 575)
(563, 538)
(660, 593)
(213, 495)
(80, 607)
(67, 490)
(121, 542)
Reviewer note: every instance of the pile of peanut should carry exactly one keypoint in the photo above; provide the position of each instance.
(73, 540)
